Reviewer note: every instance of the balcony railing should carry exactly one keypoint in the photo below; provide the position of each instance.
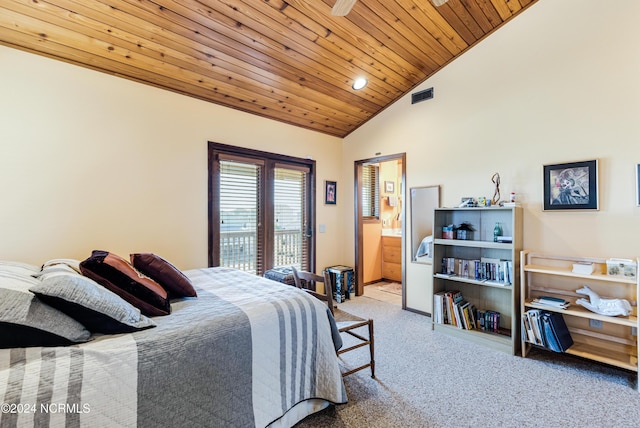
(238, 249)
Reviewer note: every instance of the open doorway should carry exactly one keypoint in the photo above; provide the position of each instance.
(380, 225)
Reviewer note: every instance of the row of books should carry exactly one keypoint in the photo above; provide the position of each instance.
(450, 307)
(552, 302)
(546, 329)
(485, 269)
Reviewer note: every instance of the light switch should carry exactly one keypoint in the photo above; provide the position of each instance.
(322, 228)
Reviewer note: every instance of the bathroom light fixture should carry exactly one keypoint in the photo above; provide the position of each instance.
(359, 83)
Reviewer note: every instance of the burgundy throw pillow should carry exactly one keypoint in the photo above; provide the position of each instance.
(116, 274)
(163, 272)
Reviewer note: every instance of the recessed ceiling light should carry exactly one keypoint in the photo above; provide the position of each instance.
(359, 83)
(439, 2)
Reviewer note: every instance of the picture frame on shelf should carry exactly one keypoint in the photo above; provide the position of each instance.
(330, 192)
(389, 187)
(571, 186)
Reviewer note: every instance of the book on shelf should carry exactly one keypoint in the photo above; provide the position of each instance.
(456, 301)
(465, 316)
(437, 307)
(554, 302)
(450, 307)
(533, 326)
(527, 329)
(583, 268)
(496, 271)
(490, 321)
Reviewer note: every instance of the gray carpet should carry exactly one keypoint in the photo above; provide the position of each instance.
(429, 379)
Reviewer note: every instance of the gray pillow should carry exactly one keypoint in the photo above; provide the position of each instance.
(25, 321)
(86, 301)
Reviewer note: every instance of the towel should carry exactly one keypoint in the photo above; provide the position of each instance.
(425, 247)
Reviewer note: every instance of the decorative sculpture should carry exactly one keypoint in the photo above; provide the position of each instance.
(495, 179)
(597, 304)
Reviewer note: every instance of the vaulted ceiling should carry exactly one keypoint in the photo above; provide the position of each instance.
(291, 61)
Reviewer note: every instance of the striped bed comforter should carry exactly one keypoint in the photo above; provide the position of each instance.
(242, 354)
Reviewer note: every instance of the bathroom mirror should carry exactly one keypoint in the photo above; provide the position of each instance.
(423, 200)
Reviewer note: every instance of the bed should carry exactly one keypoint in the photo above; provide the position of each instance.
(247, 352)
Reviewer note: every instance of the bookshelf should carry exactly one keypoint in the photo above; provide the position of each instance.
(488, 294)
(611, 340)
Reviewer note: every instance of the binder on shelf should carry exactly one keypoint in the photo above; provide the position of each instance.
(546, 329)
(556, 333)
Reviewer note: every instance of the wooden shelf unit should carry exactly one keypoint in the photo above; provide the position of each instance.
(485, 295)
(611, 340)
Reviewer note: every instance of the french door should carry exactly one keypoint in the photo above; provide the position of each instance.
(261, 212)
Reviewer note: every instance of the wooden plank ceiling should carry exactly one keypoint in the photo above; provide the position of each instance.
(291, 60)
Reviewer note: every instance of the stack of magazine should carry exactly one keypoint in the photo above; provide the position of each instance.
(553, 302)
(546, 329)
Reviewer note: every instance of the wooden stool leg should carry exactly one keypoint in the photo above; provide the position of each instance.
(371, 351)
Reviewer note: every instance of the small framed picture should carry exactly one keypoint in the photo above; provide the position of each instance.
(571, 186)
(638, 185)
(389, 186)
(330, 192)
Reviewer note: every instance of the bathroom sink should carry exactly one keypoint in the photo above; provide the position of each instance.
(391, 232)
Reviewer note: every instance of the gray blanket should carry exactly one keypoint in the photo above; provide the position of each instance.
(240, 355)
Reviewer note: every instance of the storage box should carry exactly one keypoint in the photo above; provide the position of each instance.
(447, 232)
(342, 282)
(622, 267)
(583, 268)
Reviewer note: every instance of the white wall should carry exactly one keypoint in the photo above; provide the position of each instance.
(91, 161)
(557, 84)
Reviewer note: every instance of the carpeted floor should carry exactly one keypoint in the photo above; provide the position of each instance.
(429, 379)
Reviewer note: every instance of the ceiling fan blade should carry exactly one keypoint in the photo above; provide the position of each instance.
(342, 7)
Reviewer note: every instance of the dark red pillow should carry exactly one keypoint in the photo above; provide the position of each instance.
(164, 273)
(116, 274)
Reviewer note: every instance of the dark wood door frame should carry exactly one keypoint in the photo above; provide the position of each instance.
(357, 191)
(270, 160)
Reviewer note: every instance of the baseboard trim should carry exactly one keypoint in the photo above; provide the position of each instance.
(426, 314)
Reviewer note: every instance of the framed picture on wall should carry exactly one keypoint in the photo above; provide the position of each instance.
(389, 187)
(571, 186)
(330, 192)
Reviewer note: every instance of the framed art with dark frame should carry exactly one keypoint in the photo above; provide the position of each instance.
(571, 186)
(330, 192)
